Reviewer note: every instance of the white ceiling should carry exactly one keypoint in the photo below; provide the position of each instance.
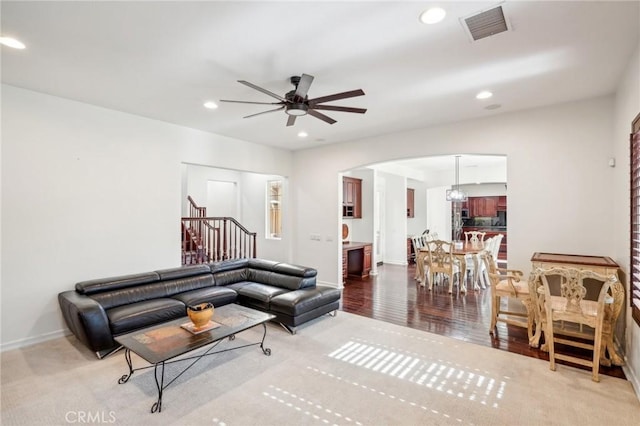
(164, 59)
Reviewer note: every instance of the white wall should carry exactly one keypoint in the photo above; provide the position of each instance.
(627, 106)
(557, 165)
(439, 212)
(89, 192)
(395, 223)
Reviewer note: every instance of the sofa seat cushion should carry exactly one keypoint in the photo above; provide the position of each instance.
(298, 302)
(218, 296)
(133, 316)
(258, 295)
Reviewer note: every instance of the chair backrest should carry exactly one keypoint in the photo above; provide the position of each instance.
(474, 236)
(565, 297)
(495, 248)
(418, 243)
(440, 256)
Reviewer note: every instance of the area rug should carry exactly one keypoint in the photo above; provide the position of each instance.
(345, 370)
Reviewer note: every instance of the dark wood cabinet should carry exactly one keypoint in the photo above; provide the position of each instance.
(410, 202)
(484, 206)
(502, 202)
(367, 259)
(490, 206)
(351, 197)
(356, 260)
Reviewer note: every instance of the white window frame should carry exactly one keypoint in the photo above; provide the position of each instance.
(273, 226)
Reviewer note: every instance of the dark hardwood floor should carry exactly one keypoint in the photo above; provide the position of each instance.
(394, 296)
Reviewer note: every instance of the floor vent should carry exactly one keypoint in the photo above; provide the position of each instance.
(485, 24)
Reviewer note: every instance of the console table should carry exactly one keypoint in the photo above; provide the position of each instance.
(600, 264)
(356, 260)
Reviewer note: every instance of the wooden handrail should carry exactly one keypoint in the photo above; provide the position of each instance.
(210, 239)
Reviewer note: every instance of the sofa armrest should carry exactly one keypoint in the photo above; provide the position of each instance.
(87, 320)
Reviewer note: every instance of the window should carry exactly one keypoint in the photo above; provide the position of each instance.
(634, 268)
(274, 209)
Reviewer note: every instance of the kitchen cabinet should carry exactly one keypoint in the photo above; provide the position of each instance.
(351, 197)
(356, 260)
(410, 202)
(502, 202)
(483, 206)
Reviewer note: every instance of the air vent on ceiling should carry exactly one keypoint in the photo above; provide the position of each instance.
(487, 23)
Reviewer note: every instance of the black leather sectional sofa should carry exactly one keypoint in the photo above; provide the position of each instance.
(98, 310)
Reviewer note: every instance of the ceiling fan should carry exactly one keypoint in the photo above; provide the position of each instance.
(296, 102)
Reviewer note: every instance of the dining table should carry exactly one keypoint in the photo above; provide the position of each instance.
(460, 250)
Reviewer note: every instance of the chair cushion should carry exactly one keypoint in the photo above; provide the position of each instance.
(522, 287)
(141, 314)
(589, 307)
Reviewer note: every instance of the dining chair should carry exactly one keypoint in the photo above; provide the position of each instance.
(565, 301)
(418, 242)
(440, 260)
(508, 284)
(474, 237)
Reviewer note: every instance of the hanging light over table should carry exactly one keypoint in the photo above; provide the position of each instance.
(455, 195)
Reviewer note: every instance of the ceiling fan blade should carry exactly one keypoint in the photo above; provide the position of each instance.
(260, 89)
(250, 102)
(291, 120)
(265, 112)
(336, 96)
(340, 108)
(303, 85)
(321, 116)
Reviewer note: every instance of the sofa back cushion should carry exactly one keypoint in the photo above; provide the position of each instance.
(233, 276)
(155, 290)
(115, 283)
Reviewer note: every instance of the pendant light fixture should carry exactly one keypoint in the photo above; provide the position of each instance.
(455, 195)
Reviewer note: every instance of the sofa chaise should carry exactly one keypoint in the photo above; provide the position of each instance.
(99, 310)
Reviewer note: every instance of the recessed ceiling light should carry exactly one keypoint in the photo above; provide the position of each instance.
(210, 105)
(493, 106)
(485, 94)
(12, 42)
(433, 15)
(303, 134)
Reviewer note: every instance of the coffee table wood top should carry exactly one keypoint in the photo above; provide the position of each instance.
(164, 341)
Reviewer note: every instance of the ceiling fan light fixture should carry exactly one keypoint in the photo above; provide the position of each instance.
(297, 109)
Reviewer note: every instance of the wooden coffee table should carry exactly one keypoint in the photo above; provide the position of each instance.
(159, 344)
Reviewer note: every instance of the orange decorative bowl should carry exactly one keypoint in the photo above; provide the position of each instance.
(200, 314)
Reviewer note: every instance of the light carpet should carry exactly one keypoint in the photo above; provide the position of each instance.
(347, 370)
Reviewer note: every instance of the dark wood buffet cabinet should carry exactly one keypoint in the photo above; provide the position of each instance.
(356, 260)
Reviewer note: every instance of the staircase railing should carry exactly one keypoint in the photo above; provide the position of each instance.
(210, 239)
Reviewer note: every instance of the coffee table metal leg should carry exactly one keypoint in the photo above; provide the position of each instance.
(157, 406)
(127, 357)
(265, 351)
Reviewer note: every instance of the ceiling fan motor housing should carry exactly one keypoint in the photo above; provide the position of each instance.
(297, 109)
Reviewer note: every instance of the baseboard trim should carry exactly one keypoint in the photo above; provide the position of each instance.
(328, 284)
(22, 343)
(632, 378)
(396, 262)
